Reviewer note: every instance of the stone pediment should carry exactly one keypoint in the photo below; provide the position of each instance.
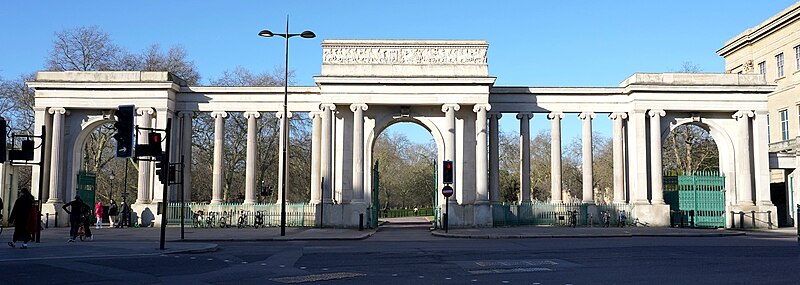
(404, 58)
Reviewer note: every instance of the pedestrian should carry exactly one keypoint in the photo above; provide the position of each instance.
(78, 214)
(112, 213)
(23, 214)
(98, 213)
(126, 215)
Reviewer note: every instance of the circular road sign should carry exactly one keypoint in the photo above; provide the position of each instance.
(447, 191)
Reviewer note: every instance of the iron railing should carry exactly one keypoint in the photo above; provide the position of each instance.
(228, 214)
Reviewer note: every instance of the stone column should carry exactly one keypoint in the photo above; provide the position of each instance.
(56, 154)
(656, 171)
(481, 154)
(143, 187)
(450, 142)
(494, 156)
(327, 153)
(358, 151)
(250, 164)
(525, 156)
(761, 155)
(219, 149)
(637, 158)
(586, 140)
(186, 150)
(283, 130)
(744, 176)
(555, 156)
(619, 157)
(316, 129)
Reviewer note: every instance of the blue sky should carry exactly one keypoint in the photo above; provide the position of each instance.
(531, 43)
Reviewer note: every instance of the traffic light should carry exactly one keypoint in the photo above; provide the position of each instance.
(3, 142)
(447, 172)
(160, 171)
(172, 173)
(152, 148)
(124, 126)
(24, 153)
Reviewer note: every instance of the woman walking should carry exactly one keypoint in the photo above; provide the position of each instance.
(98, 213)
(21, 216)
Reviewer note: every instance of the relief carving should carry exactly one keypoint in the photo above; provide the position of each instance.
(402, 55)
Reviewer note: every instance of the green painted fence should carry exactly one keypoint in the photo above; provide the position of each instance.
(207, 215)
(696, 199)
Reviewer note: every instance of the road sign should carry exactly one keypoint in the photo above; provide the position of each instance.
(447, 191)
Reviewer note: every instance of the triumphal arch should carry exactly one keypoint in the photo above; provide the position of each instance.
(445, 86)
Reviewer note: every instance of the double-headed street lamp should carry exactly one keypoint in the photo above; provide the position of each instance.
(285, 131)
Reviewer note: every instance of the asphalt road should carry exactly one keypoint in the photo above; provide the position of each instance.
(409, 254)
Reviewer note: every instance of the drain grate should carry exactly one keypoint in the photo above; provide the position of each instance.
(317, 277)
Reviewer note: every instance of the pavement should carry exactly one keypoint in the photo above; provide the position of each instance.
(146, 241)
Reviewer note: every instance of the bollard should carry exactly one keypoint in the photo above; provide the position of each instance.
(55, 220)
(733, 219)
(741, 219)
(361, 221)
(691, 218)
(797, 219)
(769, 219)
(47, 220)
(682, 218)
(753, 218)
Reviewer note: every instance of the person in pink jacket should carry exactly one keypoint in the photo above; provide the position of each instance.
(98, 212)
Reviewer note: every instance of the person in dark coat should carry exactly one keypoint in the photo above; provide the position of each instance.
(78, 214)
(112, 213)
(20, 216)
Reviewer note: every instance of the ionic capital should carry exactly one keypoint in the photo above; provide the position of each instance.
(495, 115)
(618, 116)
(60, 111)
(253, 114)
(761, 112)
(586, 115)
(478, 107)
(145, 111)
(656, 112)
(279, 114)
(221, 114)
(356, 107)
(315, 114)
(524, 115)
(447, 107)
(554, 115)
(186, 114)
(742, 114)
(327, 106)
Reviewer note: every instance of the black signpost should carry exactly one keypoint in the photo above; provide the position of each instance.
(447, 191)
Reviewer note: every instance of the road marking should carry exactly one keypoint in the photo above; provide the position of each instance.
(317, 277)
(510, 270)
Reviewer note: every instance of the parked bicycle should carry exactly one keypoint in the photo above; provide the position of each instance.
(606, 219)
(242, 222)
(225, 219)
(259, 220)
(210, 219)
(197, 219)
(637, 223)
(573, 219)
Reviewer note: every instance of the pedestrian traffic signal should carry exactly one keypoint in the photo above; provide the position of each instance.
(3, 134)
(447, 172)
(152, 148)
(125, 127)
(160, 171)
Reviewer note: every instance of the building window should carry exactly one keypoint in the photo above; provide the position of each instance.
(779, 60)
(797, 57)
(784, 124)
(762, 69)
(769, 140)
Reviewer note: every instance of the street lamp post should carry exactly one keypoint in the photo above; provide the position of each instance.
(111, 189)
(285, 131)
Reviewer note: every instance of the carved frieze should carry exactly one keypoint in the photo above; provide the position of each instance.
(404, 55)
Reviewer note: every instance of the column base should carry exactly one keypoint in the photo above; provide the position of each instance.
(53, 215)
(652, 215)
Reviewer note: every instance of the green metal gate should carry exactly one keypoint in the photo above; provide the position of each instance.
(696, 199)
(86, 188)
(376, 185)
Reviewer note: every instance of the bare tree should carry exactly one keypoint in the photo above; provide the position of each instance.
(83, 48)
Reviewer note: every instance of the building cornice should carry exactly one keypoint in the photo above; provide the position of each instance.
(766, 28)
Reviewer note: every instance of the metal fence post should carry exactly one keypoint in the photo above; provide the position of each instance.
(753, 217)
(769, 219)
(733, 219)
(741, 219)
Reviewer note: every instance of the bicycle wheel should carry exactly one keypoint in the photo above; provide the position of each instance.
(222, 222)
